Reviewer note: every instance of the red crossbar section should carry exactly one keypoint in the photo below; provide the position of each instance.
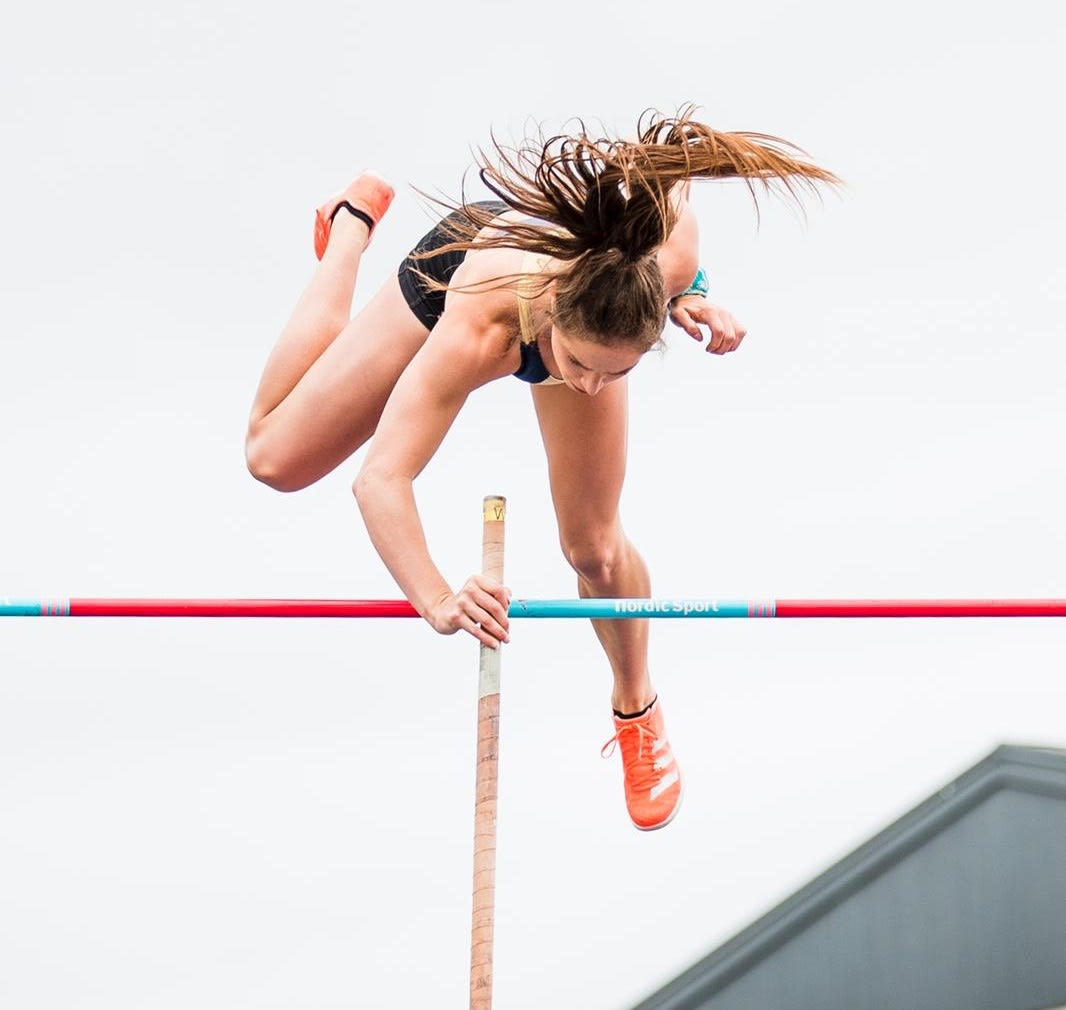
(240, 608)
(921, 608)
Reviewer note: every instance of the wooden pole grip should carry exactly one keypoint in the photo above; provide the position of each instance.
(488, 736)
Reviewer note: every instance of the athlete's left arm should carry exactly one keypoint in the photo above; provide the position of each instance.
(679, 261)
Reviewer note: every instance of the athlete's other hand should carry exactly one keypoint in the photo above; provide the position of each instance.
(479, 608)
(694, 311)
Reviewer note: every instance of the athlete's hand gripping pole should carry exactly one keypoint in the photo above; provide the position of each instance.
(488, 738)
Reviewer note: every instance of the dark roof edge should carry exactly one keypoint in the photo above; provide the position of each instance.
(1025, 769)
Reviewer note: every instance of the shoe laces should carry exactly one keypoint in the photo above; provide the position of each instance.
(644, 769)
(642, 732)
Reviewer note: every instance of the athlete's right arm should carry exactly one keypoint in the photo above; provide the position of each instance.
(460, 354)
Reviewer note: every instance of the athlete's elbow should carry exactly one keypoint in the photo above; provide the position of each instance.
(371, 485)
(363, 486)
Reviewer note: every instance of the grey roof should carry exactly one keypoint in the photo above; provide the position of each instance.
(961, 902)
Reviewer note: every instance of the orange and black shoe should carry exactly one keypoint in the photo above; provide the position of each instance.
(368, 197)
(652, 778)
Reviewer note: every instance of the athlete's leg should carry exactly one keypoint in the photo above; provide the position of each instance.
(585, 440)
(328, 377)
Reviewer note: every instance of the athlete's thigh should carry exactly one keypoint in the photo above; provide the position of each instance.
(585, 442)
(336, 406)
(375, 347)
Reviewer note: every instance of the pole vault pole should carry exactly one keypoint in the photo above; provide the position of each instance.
(485, 803)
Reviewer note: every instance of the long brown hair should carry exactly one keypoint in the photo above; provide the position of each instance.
(603, 207)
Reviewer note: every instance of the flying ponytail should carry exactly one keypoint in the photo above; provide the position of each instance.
(603, 207)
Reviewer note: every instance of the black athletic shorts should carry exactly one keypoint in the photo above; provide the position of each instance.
(426, 303)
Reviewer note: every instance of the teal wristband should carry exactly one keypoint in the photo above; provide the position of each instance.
(700, 285)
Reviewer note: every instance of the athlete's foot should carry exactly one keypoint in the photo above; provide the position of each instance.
(365, 202)
(653, 785)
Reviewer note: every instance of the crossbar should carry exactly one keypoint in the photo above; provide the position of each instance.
(602, 609)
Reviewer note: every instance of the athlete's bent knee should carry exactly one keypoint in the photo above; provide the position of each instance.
(267, 467)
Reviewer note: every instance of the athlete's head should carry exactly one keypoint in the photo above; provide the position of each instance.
(607, 297)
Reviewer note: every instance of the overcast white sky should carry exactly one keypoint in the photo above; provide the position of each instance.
(278, 815)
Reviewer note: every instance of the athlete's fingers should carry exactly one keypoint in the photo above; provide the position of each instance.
(472, 627)
(490, 623)
(489, 595)
(484, 608)
(686, 320)
(721, 337)
(499, 595)
(485, 628)
(690, 324)
(727, 334)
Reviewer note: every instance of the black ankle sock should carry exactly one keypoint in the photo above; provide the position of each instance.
(356, 212)
(635, 715)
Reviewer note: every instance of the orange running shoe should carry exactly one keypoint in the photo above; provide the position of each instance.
(652, 778)
(368, 197)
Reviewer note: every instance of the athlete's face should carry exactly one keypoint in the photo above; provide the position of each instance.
(586, 366)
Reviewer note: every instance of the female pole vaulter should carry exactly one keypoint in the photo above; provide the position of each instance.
(564, 282)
